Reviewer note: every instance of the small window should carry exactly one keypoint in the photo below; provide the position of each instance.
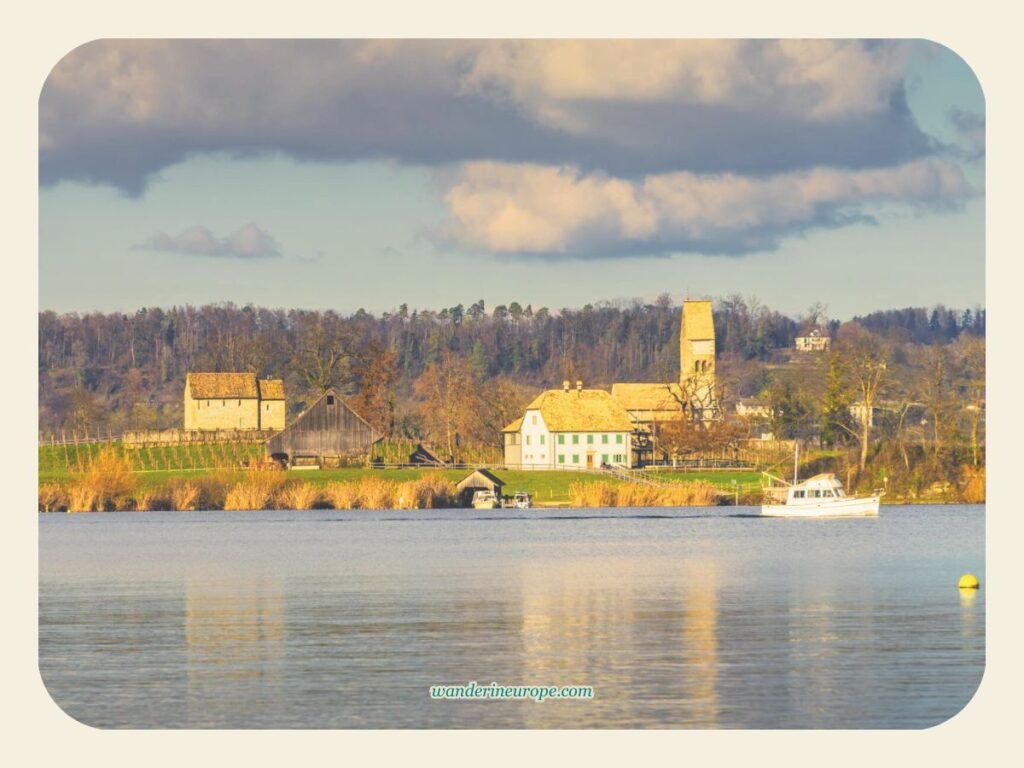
(527, 439)
(618, 439)
(533, 419)
(604, 439)
(561, 439)
(590, 439)
(575, 439)
(223, 403)
(575, 458)
(798, 494)
(542, 439)
(239, 402)
(604, 458)
(561, 458)
(330, 399)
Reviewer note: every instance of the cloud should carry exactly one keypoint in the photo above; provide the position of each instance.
(970, 130)
(117, 111)
(561, 211)
(249, 242)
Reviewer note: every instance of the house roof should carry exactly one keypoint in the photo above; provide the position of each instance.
(514, 426)
(587, 410)
(697, 320)
(271, 389)
(649, 397)
(204, 386)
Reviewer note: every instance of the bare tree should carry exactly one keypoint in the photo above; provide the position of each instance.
(863, 359)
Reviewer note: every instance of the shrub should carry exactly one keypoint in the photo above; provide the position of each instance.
(81, 497)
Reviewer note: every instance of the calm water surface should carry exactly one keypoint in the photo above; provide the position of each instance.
(688, 618)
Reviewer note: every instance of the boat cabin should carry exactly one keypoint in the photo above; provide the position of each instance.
(815, 489)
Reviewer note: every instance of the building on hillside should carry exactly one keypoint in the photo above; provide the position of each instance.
(649, 406)
(697, 359)
(570, 428)
(753, 409)
(813, 341)
(327, 433)
(233, 401)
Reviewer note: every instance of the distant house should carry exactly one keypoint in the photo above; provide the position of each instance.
(751, 408)
(861, 413)
(215, 401)
(327, 432)
(813, 341)
(570, 429)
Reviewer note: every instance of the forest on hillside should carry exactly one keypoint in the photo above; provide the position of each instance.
(457, 375)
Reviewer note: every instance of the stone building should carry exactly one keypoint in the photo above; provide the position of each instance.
(233, 401)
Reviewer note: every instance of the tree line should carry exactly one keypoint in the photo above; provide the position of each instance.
(460, 373)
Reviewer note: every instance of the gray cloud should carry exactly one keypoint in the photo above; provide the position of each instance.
(116, 112)
(249, 242)
(970, 130)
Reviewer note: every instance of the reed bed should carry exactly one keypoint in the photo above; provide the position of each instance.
(183, 494)
(605, 494)
(298, 495)
(255, 491)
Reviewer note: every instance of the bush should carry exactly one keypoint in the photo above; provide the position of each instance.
(183, 494)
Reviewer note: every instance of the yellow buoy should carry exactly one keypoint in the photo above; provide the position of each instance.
(968, 581)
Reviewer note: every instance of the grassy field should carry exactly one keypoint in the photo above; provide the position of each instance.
(154, 467)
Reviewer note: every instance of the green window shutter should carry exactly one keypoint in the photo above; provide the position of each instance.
(561, 439)
(561, 458)
(604, 439)
(590, 439)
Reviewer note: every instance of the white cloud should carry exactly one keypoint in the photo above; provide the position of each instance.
(248, 242)
(506, 208)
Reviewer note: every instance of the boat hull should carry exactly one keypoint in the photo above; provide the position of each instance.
(866, 506)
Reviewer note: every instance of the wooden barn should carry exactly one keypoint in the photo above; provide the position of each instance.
(328, 433)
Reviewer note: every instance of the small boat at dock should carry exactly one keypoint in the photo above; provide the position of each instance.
(486, 500)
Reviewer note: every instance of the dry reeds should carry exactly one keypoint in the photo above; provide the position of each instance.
(375, 493)
(254, 491)
(342, 495)
(51, 497)
(298, 495)
(973, 484)
(605, 494)
(106, 483)
(183, 495)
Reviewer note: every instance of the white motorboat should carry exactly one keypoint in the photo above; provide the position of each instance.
(486, 500)
(822, 496)
(522, 500)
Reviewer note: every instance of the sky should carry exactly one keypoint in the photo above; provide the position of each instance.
(368, 174)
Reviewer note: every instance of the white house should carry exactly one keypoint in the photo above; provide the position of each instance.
(570, 429)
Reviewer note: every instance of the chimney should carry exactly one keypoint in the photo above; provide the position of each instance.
(579, 385)
(565, 385)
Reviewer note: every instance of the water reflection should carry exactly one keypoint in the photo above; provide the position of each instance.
(234, 641)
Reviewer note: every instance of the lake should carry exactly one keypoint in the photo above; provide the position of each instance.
(676, 618)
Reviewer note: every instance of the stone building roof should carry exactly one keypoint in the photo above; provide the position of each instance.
(648, 397)
(514, 426)
(271, 389)
(586, 410)
(206, 386)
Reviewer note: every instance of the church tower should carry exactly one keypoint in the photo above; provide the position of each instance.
(697, 358)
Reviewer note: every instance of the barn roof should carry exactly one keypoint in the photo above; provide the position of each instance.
(697, 320)
(586, 410)
(648, 397)
(204, 386)
(271, 389)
